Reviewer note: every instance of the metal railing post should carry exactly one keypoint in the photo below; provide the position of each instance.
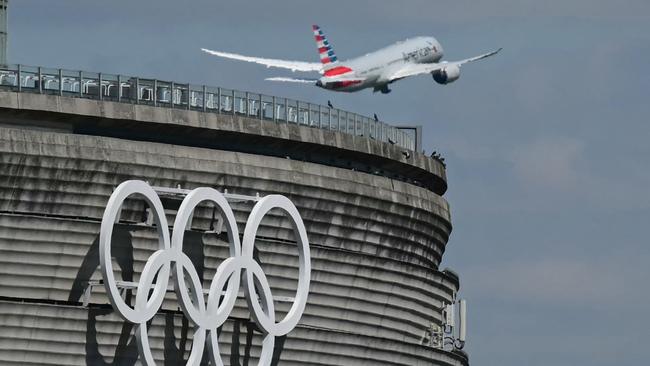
(19, 78)
(60, 82)
(154, 95)
(99, 88)
(286, 110)
(137, 90)
(189, 97)
(81, 82)
(309, 114)
(219, 100)
(40, 80)
(172, 95)
(232, 107)
(274, 113)
(205, 98)
(119, 88)
(246, 105)
(261, 108)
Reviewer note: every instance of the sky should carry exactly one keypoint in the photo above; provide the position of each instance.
(546, 143)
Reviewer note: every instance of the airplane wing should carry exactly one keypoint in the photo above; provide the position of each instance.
(419, 69)
(292, 80)
(269, 62)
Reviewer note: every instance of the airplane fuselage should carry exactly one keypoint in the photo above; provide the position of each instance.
(373, 69)
(376, 70)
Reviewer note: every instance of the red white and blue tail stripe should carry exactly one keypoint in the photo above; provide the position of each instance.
(327, 55)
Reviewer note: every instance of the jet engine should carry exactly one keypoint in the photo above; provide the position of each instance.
(446, 75)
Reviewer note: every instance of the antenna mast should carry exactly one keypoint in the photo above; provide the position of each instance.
(3, 32)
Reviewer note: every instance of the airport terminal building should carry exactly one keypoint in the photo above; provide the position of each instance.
(355, 269)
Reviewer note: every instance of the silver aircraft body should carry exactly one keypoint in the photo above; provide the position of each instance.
(376, 70)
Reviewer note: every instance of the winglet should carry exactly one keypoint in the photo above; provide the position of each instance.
(327, 55)
(486, 55)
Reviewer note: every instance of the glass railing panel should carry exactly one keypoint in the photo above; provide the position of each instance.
(357, 126)
(90, 85)
(71, 82)
(29, 78)
(162, 93)
(303, 113)
(354, 120)
(254, 107)
(9, 77)
(128, 90)
(50, 81)
(211, 99)
(314, 115)
(145, 92)
(267, 107)
(227, 101)
(281, 109)
(377, 131)
(324, 117)
(180, 95)
(292, 110)
(196, 97)
(238, 102)
(334, 120)
(342, 121)
(109, 87)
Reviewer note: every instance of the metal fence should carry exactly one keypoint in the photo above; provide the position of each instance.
(168, 94)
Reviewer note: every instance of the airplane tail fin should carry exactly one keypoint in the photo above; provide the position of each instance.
(327, 55)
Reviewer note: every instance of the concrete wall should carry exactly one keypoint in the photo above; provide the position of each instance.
(376, 245)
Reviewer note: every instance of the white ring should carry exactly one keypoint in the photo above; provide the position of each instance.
(262, 317)
(206, 318)
(113, 208)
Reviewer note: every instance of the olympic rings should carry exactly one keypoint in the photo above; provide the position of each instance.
(169, 258)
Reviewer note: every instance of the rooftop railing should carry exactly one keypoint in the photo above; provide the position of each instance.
(169, 94)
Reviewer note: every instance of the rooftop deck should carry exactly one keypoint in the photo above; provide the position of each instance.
(169, 94)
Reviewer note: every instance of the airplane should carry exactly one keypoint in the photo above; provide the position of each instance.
(376, 70)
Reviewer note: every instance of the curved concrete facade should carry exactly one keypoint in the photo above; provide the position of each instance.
(376, 220)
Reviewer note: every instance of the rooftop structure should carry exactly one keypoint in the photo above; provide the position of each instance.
(376, 220)
(169, 94)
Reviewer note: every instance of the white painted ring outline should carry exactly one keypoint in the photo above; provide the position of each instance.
(205, 318)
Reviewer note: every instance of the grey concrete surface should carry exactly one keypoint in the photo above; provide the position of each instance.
(105, 117)
(376, 242)
(44, 334)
